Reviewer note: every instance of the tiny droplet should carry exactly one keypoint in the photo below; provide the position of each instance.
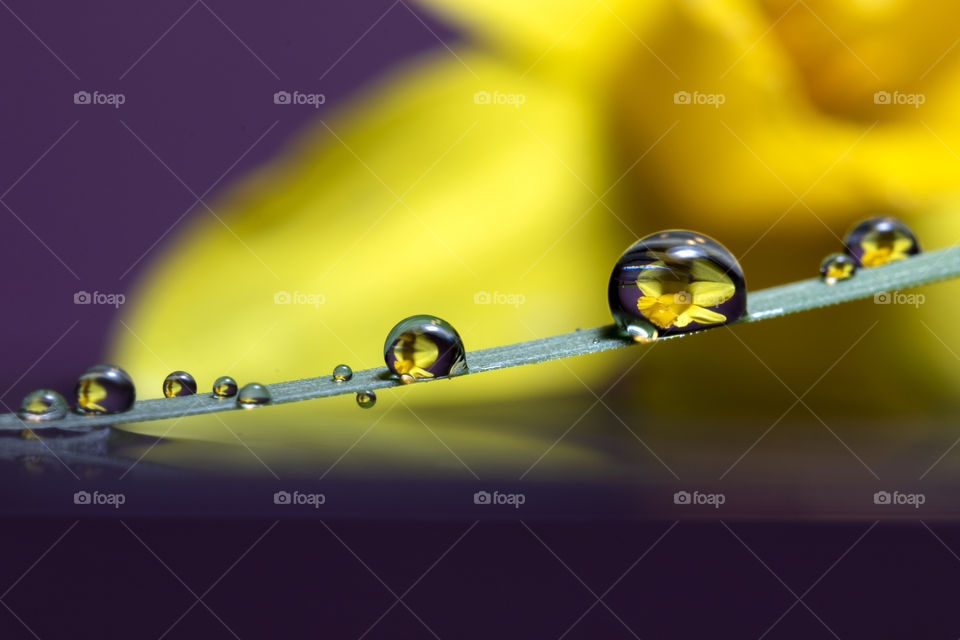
(880, 240)
(43, 404)
(104, 388)
(836, 267)
(342, 373)
(179, 383)
(253, 395)
(366, 399)
(224, 387)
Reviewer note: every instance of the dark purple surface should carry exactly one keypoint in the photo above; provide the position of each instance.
(274, 579)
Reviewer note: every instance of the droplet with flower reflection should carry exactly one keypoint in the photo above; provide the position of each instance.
(424, 347)
(252, 395)
(179, 383)
(880, 240)
(342, 373)
(104, 388)
(224, 387)
(836, 267)
(673, 282)
(43, 404)
(366, 399)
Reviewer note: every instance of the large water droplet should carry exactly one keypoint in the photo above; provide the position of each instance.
(104, 388)
(836, 267)
(424, 347)
(253, 395)
(342, 373)
(43, 404)
(366, 399)
(179, 383)
(224, 387)
(673, 282)
(877, 241)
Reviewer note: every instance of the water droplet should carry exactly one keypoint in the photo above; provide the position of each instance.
(253, 395)
(179, 383)
(836, 267)
(366, 399)
(104, 388)
(224, 387)
(673, 282)
(877, 241)
(43, 404)
(424, 347)
(342, 373)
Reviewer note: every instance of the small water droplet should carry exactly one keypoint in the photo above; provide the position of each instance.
(877, 241)
(253, 395)
(836, 267)
(366, 399)
(43, 404)
(104, 388)
(342, 373)
(179, 383)
(224, 387)
(424, 347)
(673, 282)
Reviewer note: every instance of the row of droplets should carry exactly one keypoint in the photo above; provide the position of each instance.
(668, 282)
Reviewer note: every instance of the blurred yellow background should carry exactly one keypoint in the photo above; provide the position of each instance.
(523, 161)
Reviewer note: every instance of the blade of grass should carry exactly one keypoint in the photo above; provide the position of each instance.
(761, 305)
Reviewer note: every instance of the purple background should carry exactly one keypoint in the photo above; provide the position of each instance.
(94, 198)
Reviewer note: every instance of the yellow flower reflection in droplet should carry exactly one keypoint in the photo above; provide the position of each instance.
(879, 248)
(675, 298)
(414, 352)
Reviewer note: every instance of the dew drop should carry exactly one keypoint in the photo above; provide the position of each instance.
(179, 383)
(104, 388)
(836, 267)
(253, 395)
(366, 399)
(877, 241)
(43, 404)
(342, 373)
(673, 282)
(424, 347)
(224, 387)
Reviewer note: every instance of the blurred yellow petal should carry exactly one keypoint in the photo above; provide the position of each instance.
(494, 208)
